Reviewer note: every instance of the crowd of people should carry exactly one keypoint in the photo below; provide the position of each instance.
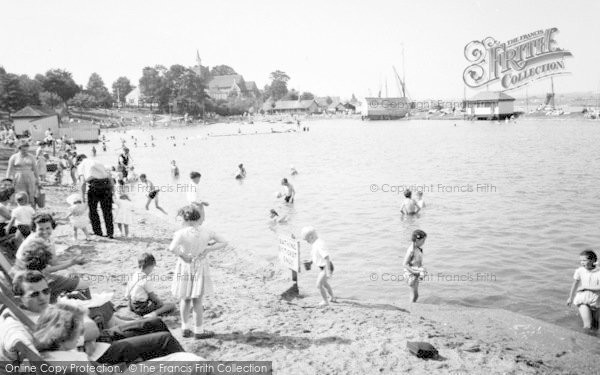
(45, 293)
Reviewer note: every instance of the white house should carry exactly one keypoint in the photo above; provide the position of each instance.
(491, 105)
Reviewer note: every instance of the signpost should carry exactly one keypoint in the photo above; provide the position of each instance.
(289, 255)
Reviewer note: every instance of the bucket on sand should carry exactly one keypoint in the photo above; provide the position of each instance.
(307, 264)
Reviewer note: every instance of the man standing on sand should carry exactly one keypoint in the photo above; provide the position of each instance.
(321, 259)
(100, 190)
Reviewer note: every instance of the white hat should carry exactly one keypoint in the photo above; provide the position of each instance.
(306, 231)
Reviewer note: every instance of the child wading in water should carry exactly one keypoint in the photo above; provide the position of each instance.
(413, 263)
(192, 279)
(78, 215)
(140, 290)
(587, 287)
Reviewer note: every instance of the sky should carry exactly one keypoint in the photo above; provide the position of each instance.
(334, 48)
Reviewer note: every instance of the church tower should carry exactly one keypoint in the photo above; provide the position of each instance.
(198, 67)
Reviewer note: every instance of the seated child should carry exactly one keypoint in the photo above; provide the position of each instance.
(21, 215)
(140, 292)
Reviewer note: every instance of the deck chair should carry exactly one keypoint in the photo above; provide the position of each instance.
(5, 267)
(8, 302)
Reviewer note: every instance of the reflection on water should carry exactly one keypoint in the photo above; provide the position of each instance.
(514, 246)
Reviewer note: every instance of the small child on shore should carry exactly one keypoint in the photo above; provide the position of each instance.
(586, 290)
(78, 215)
(413, 263)
(140, 291)
(174, 169)
(192, 279)
(124, 216)
(21, 215)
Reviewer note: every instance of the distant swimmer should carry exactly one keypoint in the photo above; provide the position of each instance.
(276, 219)
(174, 169)
(153, 145)
(409, 206)
(145, 144)
(293, 170)
(94, 151)
(419, 200)
(152, 192)
(103, 146)
(291, 192)
(241, 173)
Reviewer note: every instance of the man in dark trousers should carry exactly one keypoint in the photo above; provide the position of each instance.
(99, 186)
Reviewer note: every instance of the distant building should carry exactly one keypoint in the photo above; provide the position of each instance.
(34, 121)
(296, 106)
(222, 87)
(133, 99)
(252, 90)
(491, 105)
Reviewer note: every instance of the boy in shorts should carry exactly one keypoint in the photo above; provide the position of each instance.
(152, 192)
(140, 292)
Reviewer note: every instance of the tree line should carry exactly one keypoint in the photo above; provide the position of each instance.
(176, 89)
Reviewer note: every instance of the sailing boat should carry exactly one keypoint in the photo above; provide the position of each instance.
(388, 108)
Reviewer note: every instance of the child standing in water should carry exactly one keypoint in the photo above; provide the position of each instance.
(419, 200)
(413, 263)
(192, 279)
(409, 206)
(586, 289)
(174, 169)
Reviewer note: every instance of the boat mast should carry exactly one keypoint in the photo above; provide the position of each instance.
(552, 85)
(403, 75)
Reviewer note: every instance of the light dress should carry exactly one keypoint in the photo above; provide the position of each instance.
(23, 171)
(78, 217)
(191, 280)
(124, 212)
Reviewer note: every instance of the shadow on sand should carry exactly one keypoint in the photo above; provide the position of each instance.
(272, 340)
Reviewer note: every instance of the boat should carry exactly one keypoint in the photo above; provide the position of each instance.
(394, 108)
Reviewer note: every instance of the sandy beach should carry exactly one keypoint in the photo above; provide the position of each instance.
(253, 322)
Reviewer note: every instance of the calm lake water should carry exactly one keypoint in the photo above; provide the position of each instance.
(509, 206)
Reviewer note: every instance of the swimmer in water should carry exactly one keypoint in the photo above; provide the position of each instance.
(419, 200)
(174, 169)
(276, 219)
(293, 170)
(242, 172)
(409, 206)
(291, 192)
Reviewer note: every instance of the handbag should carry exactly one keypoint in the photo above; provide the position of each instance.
(102, 314)
(40, 199)
(422, 349)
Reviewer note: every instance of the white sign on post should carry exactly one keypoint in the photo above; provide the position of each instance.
(289, 253)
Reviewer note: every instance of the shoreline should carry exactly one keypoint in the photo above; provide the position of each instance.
(252, 322)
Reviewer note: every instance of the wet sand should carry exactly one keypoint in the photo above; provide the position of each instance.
(253, 322)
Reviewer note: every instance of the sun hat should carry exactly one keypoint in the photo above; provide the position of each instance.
(306, 231)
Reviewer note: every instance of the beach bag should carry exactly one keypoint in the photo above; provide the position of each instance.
(40, 199)
(422, 349)
(102, 314)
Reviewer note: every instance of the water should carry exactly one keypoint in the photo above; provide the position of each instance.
(513, 245)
